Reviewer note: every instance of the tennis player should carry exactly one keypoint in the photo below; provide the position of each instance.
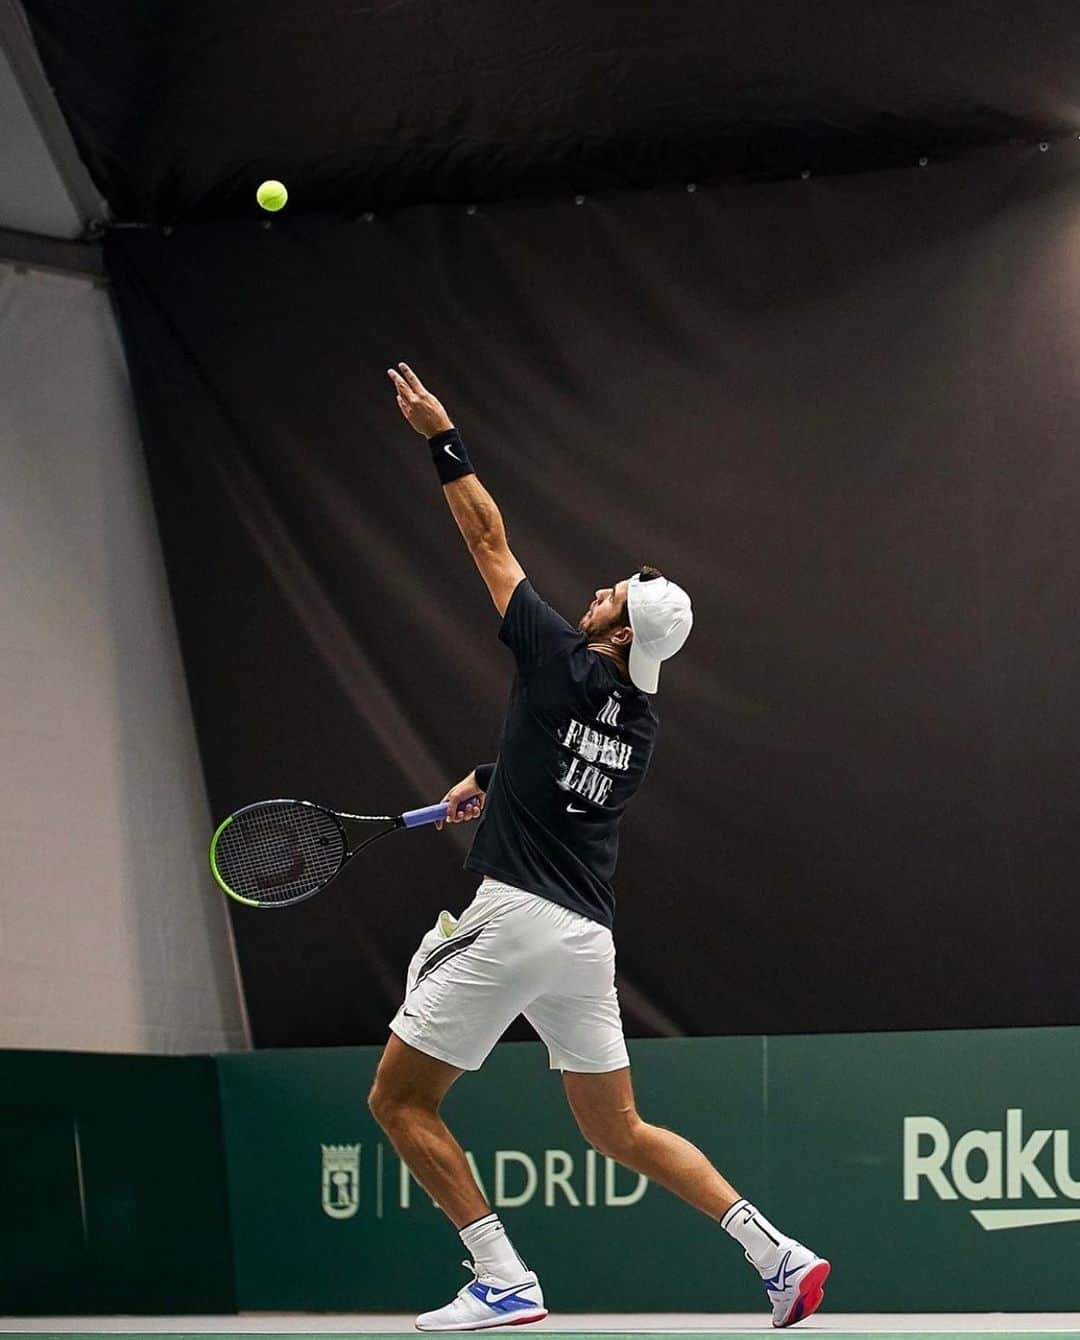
(536, 940)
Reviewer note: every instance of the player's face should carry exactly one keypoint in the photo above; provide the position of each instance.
(607, 611)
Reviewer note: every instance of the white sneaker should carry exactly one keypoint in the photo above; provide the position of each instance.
(487, 1302)
(796, 1287)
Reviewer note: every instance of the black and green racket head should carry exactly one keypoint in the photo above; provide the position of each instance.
(277, 852)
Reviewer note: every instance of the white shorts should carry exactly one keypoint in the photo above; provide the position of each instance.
(514, 953)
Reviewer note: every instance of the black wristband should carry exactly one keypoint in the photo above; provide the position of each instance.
(482, 772)
(450, 457)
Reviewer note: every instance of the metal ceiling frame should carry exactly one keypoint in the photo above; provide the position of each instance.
(36, 251)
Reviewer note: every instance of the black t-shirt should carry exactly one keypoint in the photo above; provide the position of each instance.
(575, 746)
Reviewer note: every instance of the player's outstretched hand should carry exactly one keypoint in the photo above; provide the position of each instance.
(466, 801)
(420, 408)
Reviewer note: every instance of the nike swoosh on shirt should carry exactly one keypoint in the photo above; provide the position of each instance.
(446, 448)
(573, 809)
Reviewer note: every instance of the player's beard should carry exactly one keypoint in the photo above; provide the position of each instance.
(599, 630)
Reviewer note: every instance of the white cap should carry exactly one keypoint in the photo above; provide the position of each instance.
(661, 618)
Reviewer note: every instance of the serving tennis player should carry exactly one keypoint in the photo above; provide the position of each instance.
(536, 940)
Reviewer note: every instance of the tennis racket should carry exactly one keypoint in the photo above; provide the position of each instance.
(279, 852)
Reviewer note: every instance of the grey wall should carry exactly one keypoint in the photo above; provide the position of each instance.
(111, 934)
(34, 196)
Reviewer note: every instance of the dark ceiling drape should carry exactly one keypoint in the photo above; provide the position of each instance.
(180, 109)
(845, 415)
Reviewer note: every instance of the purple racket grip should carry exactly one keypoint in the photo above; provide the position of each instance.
(430, 814)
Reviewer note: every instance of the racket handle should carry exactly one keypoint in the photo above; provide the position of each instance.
(430, 814)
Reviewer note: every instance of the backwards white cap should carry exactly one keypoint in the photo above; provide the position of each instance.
(661, 617)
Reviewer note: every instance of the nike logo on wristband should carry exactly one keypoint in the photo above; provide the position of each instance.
(456, 457)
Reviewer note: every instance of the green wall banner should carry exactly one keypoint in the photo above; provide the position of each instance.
(934, 1169)
(939, 1172)
(113, 1185)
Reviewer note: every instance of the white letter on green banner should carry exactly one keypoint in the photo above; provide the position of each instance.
(918, 1165)
(502, 1158)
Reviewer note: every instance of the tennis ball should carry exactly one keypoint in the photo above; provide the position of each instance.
(272, 195)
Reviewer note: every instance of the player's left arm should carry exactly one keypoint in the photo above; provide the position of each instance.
(473, 508)
(482, 529)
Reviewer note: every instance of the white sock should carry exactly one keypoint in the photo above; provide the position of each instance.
(492, 1251)
(762, 1243)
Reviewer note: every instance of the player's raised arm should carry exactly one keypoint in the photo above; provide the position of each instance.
(474, 509)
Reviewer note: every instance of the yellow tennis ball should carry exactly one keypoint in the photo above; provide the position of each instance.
(272, 195)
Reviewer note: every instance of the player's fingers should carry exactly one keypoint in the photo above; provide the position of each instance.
(402, 387)
(411, 377)
(447, 800)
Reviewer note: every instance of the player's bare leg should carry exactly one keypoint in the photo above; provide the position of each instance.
(607, 1115)
(608, 1118)
(405, 1098)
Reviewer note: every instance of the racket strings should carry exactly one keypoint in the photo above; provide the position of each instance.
(275, 853)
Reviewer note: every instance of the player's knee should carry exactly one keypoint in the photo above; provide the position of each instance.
(375, 1102)
(385, 1105)
(613, 1135)
(394, 1108)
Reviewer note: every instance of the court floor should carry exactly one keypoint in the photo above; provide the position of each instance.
(313, 1326)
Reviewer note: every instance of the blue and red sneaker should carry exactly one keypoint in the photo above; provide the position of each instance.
(796, 1287)
(487, 1302)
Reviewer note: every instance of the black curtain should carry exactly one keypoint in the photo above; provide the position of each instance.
(844, 414)
(180, 109)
